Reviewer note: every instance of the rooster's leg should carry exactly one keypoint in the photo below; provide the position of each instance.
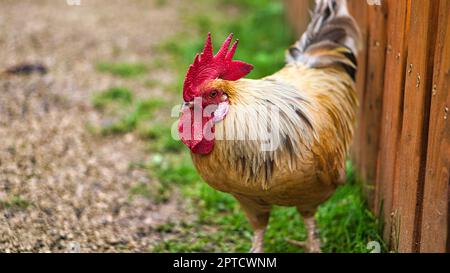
(257, 213)
(313, 242)
(258, 241)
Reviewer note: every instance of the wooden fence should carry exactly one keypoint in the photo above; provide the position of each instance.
(402, 144)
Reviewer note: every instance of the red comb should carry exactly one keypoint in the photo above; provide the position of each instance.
(206, 66)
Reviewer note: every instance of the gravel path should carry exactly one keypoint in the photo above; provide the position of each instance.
(62, 188)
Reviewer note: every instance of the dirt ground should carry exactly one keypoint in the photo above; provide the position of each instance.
(61, 187)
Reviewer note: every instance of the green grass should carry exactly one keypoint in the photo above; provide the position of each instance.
(119, 95)
(15, 201)
(174, 169)
(345, 221)
(159, 136)
(141, 189)
(161, 3)
(137, 115)
(125, 70)
(159, 192)
(346, 224)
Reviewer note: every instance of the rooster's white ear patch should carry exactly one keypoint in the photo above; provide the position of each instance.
(221, 111)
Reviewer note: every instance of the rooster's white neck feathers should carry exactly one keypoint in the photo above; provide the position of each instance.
(268, 120)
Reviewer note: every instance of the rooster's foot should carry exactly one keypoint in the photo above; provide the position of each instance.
(257, 250)
(310, 246)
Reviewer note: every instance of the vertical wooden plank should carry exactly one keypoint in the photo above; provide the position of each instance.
(358, 8)
(372, 97)
(298, 14)
(392, 113)
(413, 143)
(435, 233)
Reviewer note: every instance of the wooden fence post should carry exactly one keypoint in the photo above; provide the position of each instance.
(359, 10)
(435, 215)
(392, 114)
(298, 14)
(372, 97)
(413, 144)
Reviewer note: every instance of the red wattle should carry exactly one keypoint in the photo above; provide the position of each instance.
(194, 137)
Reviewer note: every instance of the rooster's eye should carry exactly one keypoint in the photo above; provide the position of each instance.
(213, 94)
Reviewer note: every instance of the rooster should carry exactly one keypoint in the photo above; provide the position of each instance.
(280, 140)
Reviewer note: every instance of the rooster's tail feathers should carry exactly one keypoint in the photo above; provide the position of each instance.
(331, 38)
